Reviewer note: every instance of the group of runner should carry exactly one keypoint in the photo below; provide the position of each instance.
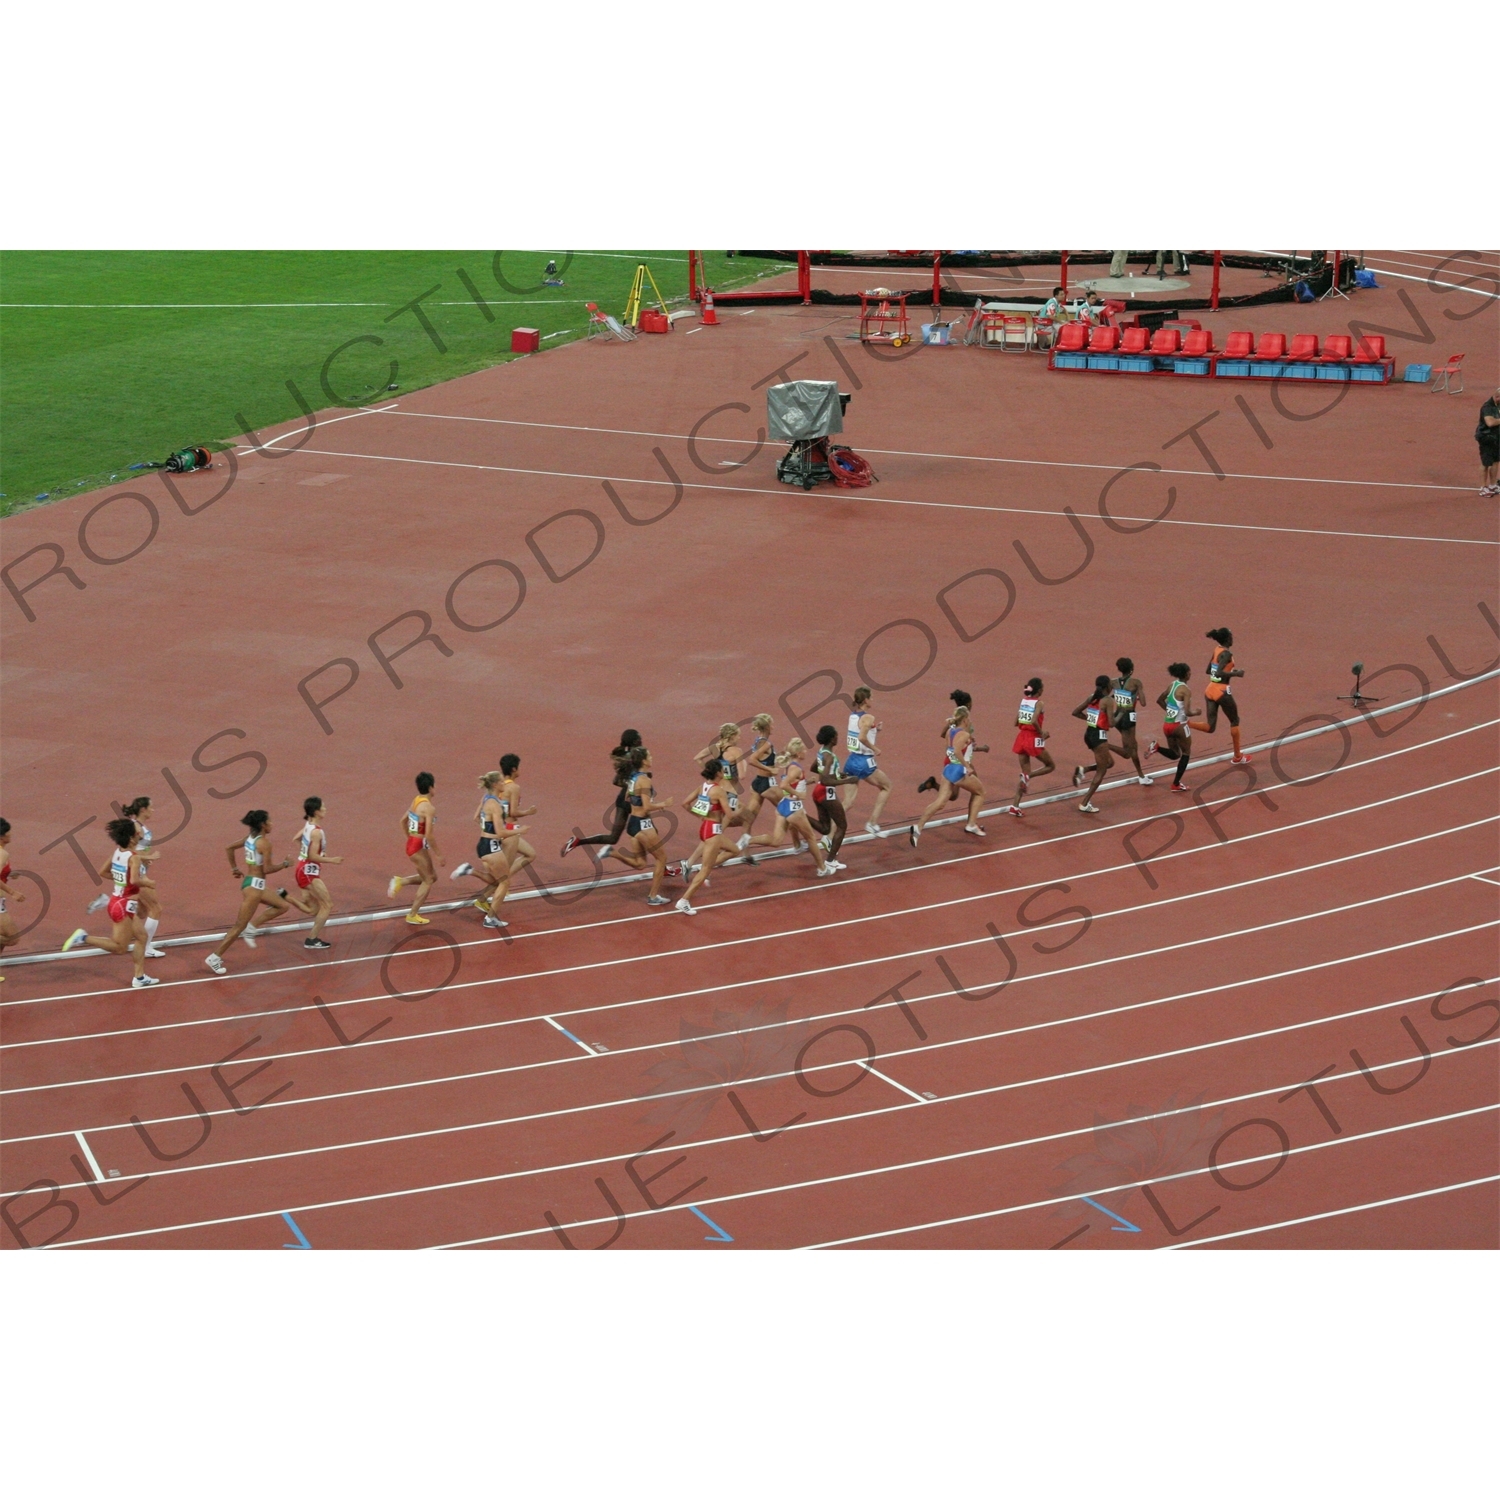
(810, 792)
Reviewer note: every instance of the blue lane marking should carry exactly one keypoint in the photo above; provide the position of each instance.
(1128, 1227)
(719, 1236)
(301, 1238)
(573, 1038)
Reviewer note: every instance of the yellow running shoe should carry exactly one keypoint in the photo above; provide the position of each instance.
(481, 904)
(413, 920)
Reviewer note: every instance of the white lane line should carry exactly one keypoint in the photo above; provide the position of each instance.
(1490, 878)
(1452, 286)
(559, 1025)
(1332, 1213)
(998, 810)
(485, 1181)
(583, 1109)
(1244, 1161)
(874, 1073)
(88, 1156)
(852, 497)
(970, 458)
(945, 947)
(1341, 962)
(219, 1020)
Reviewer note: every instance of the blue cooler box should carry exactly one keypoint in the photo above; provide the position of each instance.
(1301, 372)
(1190, 367)
(1333, 372)
(1367, 372)
(1232, 367)
(1104, 362)
(1070, 361)
(1141, 364)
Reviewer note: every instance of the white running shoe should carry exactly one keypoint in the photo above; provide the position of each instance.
(873, 828)
(828, 870)
(464, 869)
(216, 963)
(98, 904)
(77, 937)
(1087, 807)
(1151, 750)
(494, 921)
(248, 937)
(826, 843)
(143, 981)
(975, 829)
(837, 865)
(1144, 781)
(1077, 775)
(682, 906)
(152, 951)
(657, 901)
(394, 888)
(744, 841)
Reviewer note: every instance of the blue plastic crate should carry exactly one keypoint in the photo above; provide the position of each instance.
(1301, 372)
(1266, 369)
(1104, 361)
(1190, 366)
(1367, 372)
(1333, 372)
(1070, 361)
(1137, 363)
(1418, 374)
(1232, 367)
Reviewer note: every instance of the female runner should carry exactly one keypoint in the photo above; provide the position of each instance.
(1095, 712)
(253, 892)
(1220, 695)
(139, 812)
(640, 794)
(957, 774)
(718, 807)
(1176, 700)
(312, 855)
(128, 874)
(859, 759)
(421, 847)
(762, 765)
(1126, 692)
(1029, 741)
(493, 868)
(9, 934)
(630, 739)
(790, 815)
(831, 824)
(518, 853)
(961, 699)
(728, 752)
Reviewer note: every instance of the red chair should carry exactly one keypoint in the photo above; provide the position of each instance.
(1240, 346)
(1336, 348)
(1444, 376)
(1072, 338)
(1166, 341)
(1104, 340)
(1199, 342)
(1134, 340)
(1270, 346)
(1371, 350)
(1304, 347)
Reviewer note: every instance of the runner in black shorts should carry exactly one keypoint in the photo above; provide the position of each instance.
(619, 758)
(1095, 713)
(831, 822)
(1125, 693)
(1219, 695)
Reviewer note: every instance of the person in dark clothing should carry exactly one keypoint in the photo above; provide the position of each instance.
(1487, 434)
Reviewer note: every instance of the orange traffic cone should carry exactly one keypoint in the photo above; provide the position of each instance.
(709, 317)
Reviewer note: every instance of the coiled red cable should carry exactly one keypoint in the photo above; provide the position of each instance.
(849, 470)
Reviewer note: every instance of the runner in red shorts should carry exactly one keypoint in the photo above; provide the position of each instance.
(1030, 741)
(421, 847)
(718, 808)
(126, 909)
(312, 855)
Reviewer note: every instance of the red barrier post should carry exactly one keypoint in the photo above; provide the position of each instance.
(1213, 296)
(937, 284)
(804, 277)
(1064, 277)
(692, 275)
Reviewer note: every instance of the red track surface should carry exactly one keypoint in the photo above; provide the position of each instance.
(1274, 941)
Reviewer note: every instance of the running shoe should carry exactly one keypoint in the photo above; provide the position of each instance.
(743, 842)
(827, 870)
(1151, 748)
(677, 868)
(143, 981)
(1025, 780)
(491, 920)
(464, 869)
(826, 843)
(413, 920)
(394, 888)
(480, 904)
(913, 835)
(1087, 807)
(569, 847)
(682, 906)
(974, 829)
(1239, 760)
(1144, 781)
(837, 865)
(98, 903)
(152, 951)
(1177, 786)
(1015, 812)
(251, 932)
(1077, 775)
(930, 785)
(75, 940)
(873, 829)
(748, 858)
(281, 891)
(216, 963)
(315, 943)
(657, 901)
